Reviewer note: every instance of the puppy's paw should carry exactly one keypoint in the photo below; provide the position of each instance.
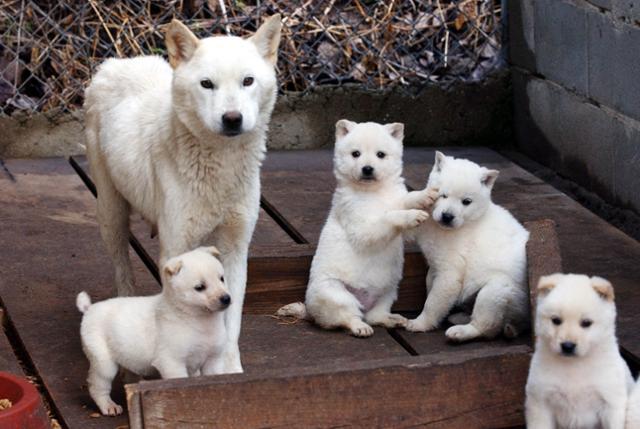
(415, 217)
(460, 333)
(420, 325)
(427, 198)
(360, 329)
(396, 321)
(110, 408)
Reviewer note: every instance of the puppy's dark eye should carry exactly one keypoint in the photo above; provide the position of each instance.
(444, 196)
(200, 287)
(381, 155)
(467, 201)
(355, 153)
(248, 81)
(222, 279)
(556, 320)
(585, 323)
(206, 84)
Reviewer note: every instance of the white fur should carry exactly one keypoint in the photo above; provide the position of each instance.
(358, 263)
(156, 144)
(179, 332)
(482, 252)
(633, 408)
(587, 388)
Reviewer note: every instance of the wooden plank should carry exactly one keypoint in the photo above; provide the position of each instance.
(543, 254)
(8, 360)
(436, 392)
(51, 251)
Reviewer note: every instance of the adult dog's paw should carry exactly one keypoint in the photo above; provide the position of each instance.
(360, 329)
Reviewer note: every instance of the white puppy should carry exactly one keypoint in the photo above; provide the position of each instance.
(179, 332)
(577, 377)
(633, 408)
(475, 249)
(182, 144)
(358, 263)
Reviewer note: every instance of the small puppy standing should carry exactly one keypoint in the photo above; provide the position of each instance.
(358, 263)
(577, 377)
(179, 332)
(473, 247)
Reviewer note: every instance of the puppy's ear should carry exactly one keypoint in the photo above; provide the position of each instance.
(172, 267)
(396, 130)
(440, 160)
(547, 283)
(344, 127)
(603, 287)
(181, 43)
(267, 38)
(212, 250)
(489, 177)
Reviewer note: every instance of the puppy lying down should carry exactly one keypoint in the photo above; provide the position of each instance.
(358, 263)
(179, 332)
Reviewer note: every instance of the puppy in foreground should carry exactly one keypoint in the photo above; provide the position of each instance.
(181, 143)
(358, 263)
(577, 377)
(633, 408)
(474, 248)
(179, 332)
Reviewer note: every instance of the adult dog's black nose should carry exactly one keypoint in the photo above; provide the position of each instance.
(232, 123)
(225, 300)
(447, 218)
(568, 348)
(367, 170)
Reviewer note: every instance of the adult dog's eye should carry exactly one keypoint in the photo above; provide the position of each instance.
(206, 84)
(381, 155)
(200, 287)
(467, 201)
(222, 279)
(248, 81)
(355, 153)
(556, 320)
(585, 323)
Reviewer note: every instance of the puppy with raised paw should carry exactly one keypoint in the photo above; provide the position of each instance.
(358, 263)
(179, 332)
(577, 377)
(476, 250)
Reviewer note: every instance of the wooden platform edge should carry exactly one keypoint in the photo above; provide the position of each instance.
(543, 255)
(489, 391)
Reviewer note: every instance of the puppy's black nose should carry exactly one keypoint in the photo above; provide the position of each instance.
(568, 348)
(367, 170)
(447, 218)
(232, 122)
(225, 300)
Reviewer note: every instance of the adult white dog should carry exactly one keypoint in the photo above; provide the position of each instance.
(182, 144)
(475, 249)
(577, 378)
(358, 264)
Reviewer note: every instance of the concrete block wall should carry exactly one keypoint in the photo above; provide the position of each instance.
(576, 82)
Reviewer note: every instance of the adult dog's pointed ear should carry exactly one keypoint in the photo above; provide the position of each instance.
(181, 43)
(267, 38)
(489, 177)
(547, 283)
(603, 287)
(439, 161)
(172, 267)
(396, 130)
(344, 127)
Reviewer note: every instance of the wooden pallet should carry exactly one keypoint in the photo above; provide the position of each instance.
(295, 374)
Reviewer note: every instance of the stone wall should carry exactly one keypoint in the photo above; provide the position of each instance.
(576, 81)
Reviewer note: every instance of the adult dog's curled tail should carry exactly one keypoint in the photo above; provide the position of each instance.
(295, 309)
(83, 302)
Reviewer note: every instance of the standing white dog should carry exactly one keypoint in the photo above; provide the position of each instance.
(183, 145)
(358, 263)
(474, 248)
(577, 378)
(179, 332)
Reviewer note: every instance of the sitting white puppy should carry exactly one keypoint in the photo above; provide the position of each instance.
(633, 408)
(358, 263)
(577, 377)
(475, 249)
(179, 332)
